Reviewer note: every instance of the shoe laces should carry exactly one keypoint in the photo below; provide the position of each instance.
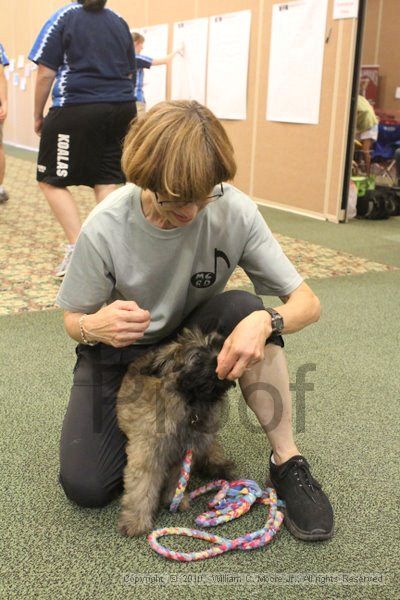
(301, 471)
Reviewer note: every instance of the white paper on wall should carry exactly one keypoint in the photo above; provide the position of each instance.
(155, 78)
(22, 84)
(11, 66)
(345, 9)
(15, 79)
(27, 70)
(227, 69)
(296, 61)
(189, 69)
(20, 61)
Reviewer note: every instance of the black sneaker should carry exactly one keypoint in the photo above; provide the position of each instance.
(308, 512)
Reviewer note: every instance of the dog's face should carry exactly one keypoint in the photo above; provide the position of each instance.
(192, 358)
(197, 379)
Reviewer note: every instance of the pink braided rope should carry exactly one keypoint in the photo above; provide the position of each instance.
(183, 481)
(233, 500)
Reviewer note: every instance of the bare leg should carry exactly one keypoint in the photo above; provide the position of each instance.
(366, 147)
(64, 208)
(2, 164)
(102, 190)
(265, 387)
(308, 512)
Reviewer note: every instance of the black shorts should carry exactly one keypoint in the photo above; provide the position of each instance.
(81, 144)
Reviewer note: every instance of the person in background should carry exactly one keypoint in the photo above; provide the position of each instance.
(3, 114)
(86, 51)
(366, 129)
(145, 62)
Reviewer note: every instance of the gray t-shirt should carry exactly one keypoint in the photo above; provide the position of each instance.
(169, 272)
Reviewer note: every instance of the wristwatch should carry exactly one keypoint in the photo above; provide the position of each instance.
(276, 321)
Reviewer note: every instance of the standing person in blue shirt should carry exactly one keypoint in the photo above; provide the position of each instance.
(86, 50)
(3, 114)
(145, 62)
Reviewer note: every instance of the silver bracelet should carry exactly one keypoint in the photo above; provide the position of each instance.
(83, 335)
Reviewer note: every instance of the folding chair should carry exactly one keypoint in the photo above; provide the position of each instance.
(383, 152)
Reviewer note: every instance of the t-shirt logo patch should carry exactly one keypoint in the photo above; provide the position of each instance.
(205, 279)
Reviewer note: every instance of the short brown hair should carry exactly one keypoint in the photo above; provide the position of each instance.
(178, 149)
(137, 37)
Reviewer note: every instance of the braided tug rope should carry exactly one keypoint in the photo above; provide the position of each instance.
(233, 500)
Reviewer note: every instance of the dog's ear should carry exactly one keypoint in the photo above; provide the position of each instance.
(154, 367)
(199, 389)
(161, 361)
(198, 381)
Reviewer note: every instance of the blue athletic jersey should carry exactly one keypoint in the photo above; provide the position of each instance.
(92, 53)
(3, 57)
(142, 62)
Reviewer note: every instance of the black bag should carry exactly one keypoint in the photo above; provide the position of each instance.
(375, 204)
(396, 201)
(392, 199)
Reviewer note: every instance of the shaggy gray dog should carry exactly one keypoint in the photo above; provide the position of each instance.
(170, 401)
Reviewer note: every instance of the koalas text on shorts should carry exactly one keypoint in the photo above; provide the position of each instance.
(62, 154)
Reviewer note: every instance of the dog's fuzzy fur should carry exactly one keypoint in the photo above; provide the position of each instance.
(170, 400)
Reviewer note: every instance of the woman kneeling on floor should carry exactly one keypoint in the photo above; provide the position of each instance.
(155, 256)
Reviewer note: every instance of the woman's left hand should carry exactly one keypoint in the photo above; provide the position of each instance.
(244, 347)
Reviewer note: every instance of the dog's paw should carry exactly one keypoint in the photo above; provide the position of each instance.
(134, 525)
(184, 503)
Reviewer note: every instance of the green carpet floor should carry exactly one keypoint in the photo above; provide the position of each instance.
(53, 549)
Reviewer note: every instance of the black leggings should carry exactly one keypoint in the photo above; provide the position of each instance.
(92, 447)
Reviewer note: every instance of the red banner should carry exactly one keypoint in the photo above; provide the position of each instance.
(369, 83)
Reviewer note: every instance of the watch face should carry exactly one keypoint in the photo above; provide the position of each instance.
(276, 320)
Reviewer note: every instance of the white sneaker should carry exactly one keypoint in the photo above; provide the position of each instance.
(3, 196)
(63, 266)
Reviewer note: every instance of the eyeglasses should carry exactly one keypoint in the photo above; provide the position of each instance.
(206, 200)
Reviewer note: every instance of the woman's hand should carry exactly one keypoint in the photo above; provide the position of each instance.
(3, 111)
(244, 347)
(38, 124)
(44, 81)
(118, 324)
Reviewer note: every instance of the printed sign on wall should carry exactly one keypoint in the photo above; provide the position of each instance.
(345, 9)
